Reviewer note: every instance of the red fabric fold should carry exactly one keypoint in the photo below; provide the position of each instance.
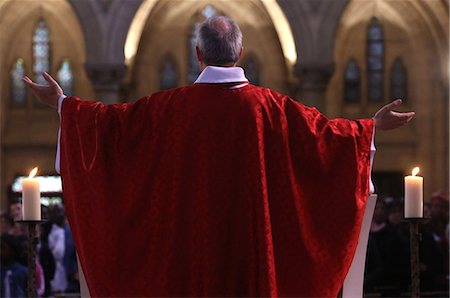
(210, 191)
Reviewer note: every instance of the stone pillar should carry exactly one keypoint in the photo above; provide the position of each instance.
(314, 80)
(106, 79)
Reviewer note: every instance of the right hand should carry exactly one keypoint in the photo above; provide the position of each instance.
(47, 94)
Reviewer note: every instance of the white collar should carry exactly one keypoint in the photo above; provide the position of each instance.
(216, 74)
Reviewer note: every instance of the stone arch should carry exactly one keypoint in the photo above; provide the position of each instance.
(161, 34)
(28, 134)
(418, 33)
(272, 8)
(18, 20)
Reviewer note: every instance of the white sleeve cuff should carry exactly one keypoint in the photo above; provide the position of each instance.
(58, 151)
(60, 101)
(373, 149)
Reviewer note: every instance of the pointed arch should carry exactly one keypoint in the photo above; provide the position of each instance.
(352, 82)
(18, 89)
(162, 34)
(272, 7)
(41, 51)
(413, 31)
(375, 61)
(65, 77)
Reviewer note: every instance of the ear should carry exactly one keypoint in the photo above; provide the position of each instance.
(240, 53)
(198, 54)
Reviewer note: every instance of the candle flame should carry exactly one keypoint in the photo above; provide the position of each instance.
(415, 171)
(33, 172)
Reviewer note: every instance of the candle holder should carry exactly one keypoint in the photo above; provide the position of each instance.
(414, 238)
(31, 258)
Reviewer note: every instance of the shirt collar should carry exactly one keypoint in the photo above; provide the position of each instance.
(216, 74)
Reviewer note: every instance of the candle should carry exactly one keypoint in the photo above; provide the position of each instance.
(31, 197)
(414, 195)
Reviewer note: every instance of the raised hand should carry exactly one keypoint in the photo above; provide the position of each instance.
(47, 94)
(386, 118)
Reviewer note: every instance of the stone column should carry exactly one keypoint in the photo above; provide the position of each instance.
(314, 80)
(106, 79)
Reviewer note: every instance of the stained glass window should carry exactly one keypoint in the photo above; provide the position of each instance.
(375, 61)
(65, 77)
(41, 51)
(352, 82)
(169, 75)
(398, 80)
(252, 71)
(194, 69)
(18, 89)
(209, 11)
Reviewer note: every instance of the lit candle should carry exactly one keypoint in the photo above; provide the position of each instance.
(31, 197)
(414, 195)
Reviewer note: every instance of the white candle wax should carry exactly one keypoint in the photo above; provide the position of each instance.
(414, 195)
(31, 198)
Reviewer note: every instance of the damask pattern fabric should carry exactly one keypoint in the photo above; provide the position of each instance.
(210, 191)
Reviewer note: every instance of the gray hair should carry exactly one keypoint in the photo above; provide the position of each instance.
(219, 40)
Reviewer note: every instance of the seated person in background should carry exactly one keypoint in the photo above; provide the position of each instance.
(436, 226)
(13, 276)
(6, 223)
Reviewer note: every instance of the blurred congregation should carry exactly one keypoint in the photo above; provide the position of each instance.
(56, 265)
(388, 254)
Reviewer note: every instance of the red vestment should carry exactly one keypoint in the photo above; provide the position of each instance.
(210, 191)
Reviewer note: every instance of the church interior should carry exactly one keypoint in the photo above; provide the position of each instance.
(347, 58)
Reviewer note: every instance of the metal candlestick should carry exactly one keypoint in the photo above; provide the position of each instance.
(414, 238)
(31, 261)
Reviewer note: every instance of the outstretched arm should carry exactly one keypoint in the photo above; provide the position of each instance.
(90, 121)
(386, 118)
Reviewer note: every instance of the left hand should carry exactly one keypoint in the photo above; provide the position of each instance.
(386, 118)
(47, 94)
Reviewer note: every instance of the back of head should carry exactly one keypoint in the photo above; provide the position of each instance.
(219, 40)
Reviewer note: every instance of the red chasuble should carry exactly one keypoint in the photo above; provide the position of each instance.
(210, 191)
